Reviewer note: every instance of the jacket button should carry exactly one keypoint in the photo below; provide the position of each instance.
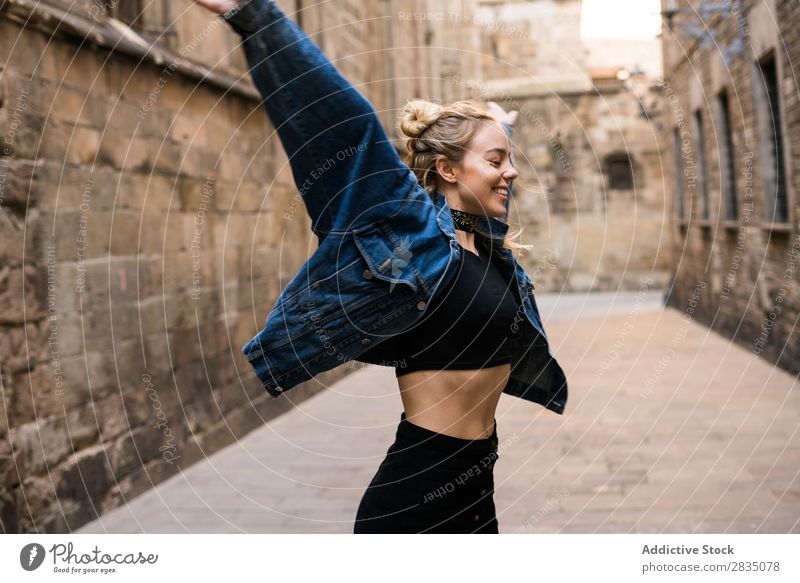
(483, 492)
(366, 341)
(477, 517)
(367, 274)
(421, 306)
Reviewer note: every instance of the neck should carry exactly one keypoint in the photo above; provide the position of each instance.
(466, 240)
(464, 233)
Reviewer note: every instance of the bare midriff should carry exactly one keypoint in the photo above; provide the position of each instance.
(459, 403)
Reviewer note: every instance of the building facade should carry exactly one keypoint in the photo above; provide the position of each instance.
(590, 197)
(733, 119)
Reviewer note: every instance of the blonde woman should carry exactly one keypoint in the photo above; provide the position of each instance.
(414, 269)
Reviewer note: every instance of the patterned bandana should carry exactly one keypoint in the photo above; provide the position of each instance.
(465, 221)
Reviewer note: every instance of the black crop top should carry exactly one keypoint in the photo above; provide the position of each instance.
(468, 325)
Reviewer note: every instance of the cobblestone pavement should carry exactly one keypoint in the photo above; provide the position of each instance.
(669, 428)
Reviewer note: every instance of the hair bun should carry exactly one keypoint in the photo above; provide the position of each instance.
(418, 116)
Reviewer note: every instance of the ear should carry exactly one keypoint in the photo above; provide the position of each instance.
(446, 170)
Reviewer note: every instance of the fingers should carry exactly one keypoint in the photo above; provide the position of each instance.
(501, 114)
(218, 7)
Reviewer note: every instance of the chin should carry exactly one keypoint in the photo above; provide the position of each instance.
(500, 213)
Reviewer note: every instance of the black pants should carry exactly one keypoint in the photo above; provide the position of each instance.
(431, 483)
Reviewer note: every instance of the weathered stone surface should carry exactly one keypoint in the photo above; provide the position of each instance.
(85, 477)
(19, 294)
(39, 446)
(744, 276)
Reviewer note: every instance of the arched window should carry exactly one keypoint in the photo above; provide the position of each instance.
(619, 170)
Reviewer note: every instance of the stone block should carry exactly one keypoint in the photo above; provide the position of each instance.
(84, 478)
(124, 233)
(198, 161)
(58, 185)
(17, 189)
(112, 415)
(152, 237)
(34, 396)
(189, 382)
(158, 355)
(169, 157)
(11, 238)
(176, 267)
(133, 449)
(77, 106)
(201, 414)
(140, 480)
(87, 376)
(41, 445)
(20, 293)
(83, 144)
(126, 151)
(23, 53)
(9, 519)
(123, 115)
(10, 470)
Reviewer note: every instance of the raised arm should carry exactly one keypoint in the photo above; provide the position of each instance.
(343, 163)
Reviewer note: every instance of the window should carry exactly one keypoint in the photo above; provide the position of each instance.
(727, 169)
(676, 137)
(620, 172)
(771, 143)
(702, 170)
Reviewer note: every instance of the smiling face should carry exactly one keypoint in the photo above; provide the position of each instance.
(479, 183)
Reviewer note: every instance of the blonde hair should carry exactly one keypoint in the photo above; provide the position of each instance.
(430, 130)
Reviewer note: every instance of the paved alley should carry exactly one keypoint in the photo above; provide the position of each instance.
(669, 428)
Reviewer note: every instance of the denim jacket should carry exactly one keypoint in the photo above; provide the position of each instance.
(386, 247)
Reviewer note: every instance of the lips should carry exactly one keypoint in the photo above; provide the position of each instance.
(503, 192)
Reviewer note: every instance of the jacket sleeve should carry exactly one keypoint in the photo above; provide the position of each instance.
(343, 163)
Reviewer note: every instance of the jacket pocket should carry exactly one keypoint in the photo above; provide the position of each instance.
(327, 304)
(388, 257)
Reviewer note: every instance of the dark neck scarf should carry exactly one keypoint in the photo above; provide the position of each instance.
(465, 221)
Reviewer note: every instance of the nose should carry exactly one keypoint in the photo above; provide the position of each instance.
(510, 173)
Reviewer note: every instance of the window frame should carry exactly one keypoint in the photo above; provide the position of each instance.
(699, 140)
(614, 161)
(727, 148)
(679, 169)
(773, 151)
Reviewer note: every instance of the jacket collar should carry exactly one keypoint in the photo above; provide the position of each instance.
(494, 228)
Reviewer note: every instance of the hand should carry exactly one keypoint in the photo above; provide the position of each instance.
(219, 7)
(503, 116)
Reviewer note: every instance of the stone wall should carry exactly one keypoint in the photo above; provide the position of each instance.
(737, 269)
(587, 232)
(143, 240)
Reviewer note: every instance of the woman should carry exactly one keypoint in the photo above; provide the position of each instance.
(413, 268)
